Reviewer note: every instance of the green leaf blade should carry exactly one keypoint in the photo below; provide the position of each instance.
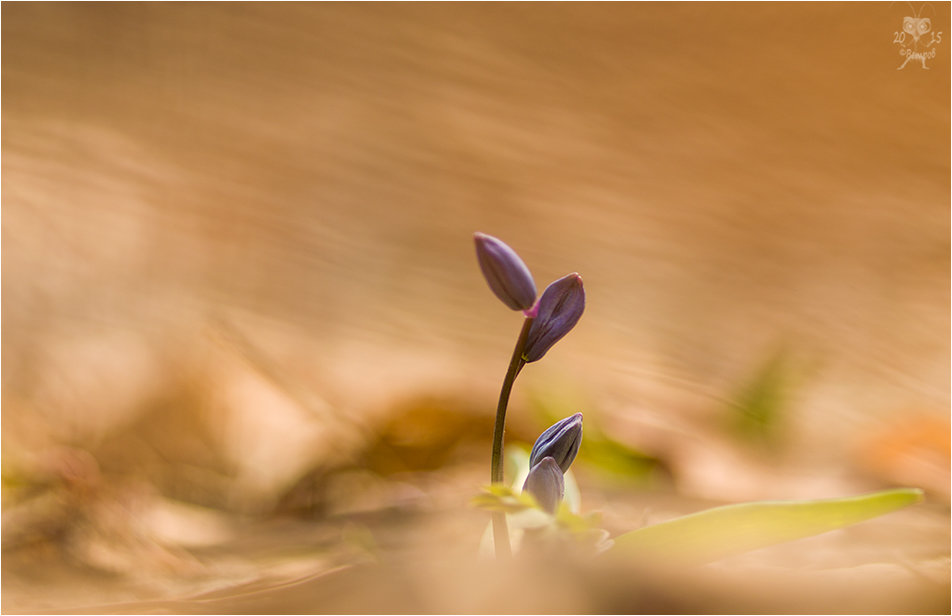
(733, 529)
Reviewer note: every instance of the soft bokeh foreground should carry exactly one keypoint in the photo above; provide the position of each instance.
(249, 362)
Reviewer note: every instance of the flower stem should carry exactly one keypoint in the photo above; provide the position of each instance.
(500, 529)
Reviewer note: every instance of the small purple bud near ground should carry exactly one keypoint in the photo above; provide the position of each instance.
(560, 308)
(560, 441)
(546, 484)
(507, 275)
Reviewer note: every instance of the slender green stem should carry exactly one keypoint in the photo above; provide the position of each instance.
(515, 365)
(500, 528)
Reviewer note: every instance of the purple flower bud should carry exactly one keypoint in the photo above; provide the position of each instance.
(560, 308)
(507, 275)
(546, 484)
(560, 442)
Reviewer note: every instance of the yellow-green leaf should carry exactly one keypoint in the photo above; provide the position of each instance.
(498, 497)
(734, 529)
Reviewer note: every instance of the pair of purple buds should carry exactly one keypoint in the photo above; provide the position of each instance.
(554, 314)
(550, 459)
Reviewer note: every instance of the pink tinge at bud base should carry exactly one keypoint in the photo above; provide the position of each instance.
(507, 275)
(559, 309)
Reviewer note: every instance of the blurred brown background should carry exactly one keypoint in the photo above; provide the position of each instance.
(238, 269)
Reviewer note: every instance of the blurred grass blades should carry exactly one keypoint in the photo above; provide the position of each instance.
(761, 403)
(733, 529)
